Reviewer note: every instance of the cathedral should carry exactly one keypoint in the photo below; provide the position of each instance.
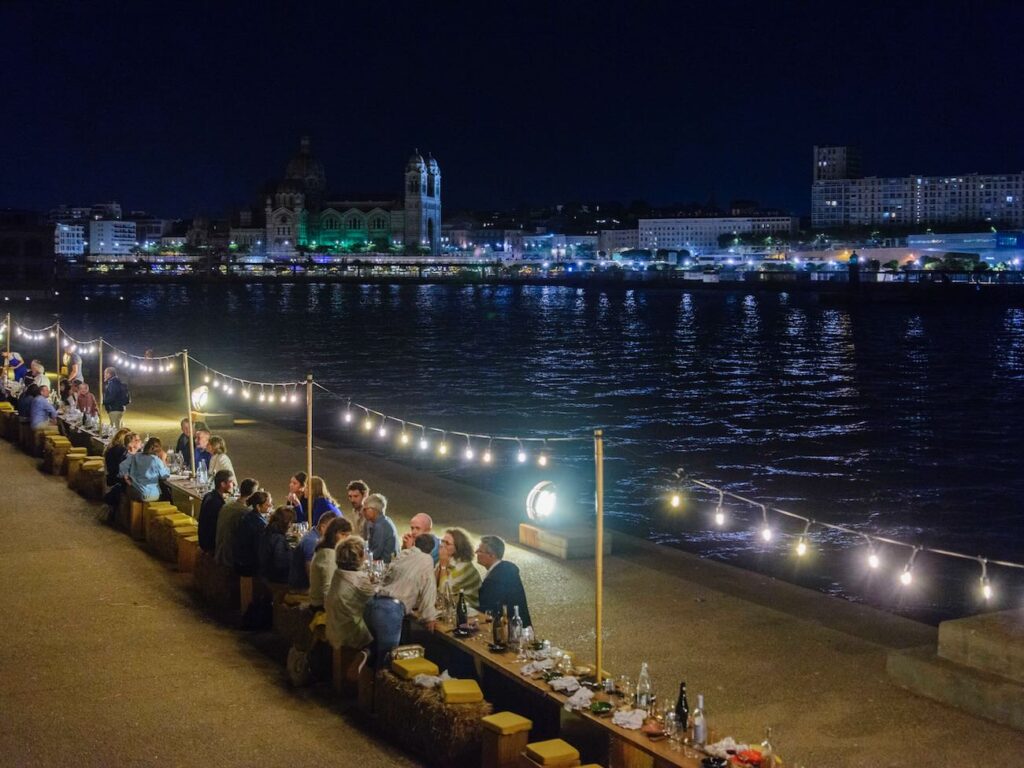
(300, 212)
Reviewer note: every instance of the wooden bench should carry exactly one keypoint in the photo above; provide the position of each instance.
(55, 448)
(73, 451)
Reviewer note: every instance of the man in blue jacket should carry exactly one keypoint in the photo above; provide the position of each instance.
(115, 397)
(502, 585)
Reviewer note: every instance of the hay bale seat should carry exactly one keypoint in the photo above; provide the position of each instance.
(164, 543)
(292, 616)
(92, 479)
(39, 438)
(422, 722)
(72, 465)
(55, 448)
(218, 585)
(152, 510)
(72, 452)
(8, 422)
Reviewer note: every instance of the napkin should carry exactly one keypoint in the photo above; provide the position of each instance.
(537, 666)
(431, 681)
(630, 719)
(566, 684)
(724, 747)
(579, 700)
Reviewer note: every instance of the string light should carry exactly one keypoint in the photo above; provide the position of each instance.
(542, 459)
(348, 413)
(404, 438)
(874, 561)
(486, 458)
(442, 447)
(424, 443)
(907, 577)
(801, 544)
(986, 585)
(383, 431)
(469, 449)
(766, 529)
(675, 501)
(720, 510)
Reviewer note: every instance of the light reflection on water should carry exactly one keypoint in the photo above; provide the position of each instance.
(904, 419)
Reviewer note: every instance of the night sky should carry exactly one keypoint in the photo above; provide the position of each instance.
(181, 107)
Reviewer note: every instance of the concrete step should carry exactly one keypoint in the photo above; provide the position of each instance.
(972, 690)
(991, 642)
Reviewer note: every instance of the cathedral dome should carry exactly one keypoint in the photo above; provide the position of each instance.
(306, 168)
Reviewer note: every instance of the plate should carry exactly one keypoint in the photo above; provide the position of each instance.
(459, 632)
(601, 708)
(497, 648)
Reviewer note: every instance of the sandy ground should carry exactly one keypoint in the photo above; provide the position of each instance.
(106, 656)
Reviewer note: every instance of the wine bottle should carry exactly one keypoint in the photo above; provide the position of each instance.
(700, 723)
(767, 750)
(643, 688)
(503, 627)
(683, 708)
(515, 631)
(461, 610)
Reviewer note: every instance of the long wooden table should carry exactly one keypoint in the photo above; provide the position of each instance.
(664, 752)
(94, 442)
(185, 495)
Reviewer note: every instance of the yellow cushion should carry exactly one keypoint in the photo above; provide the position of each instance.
(461, 691)
(407, 669)
(192, 538)
(6, 406)
(78, 451)
(506, 723)
(295, 598)
(552, 752)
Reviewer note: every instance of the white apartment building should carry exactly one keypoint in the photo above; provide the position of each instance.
(700, 234)
(110, 240)
(618, 240)
(876, 201)
(69, 241)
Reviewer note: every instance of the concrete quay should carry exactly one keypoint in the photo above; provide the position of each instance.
(105, 643)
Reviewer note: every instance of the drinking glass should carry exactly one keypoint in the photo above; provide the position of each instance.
(624, 685)
(671, 724)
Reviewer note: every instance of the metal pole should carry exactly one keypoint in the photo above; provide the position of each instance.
(188, 405)
(100, 362)
(57, 385)
(7, 360)
(599, 553)
(309, 449)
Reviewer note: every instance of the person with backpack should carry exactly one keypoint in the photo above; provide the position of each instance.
(115, 397)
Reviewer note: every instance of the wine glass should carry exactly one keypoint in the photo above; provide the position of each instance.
(624, 685)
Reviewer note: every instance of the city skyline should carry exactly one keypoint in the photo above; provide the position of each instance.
(577, 103)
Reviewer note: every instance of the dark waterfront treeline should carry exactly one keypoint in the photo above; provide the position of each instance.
(903, 419)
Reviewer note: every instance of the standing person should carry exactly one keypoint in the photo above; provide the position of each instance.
(73, 364)
(87, 401)
(209, 510)
(382, 535)
(42, 414)
(115, 397)
(142, 471)
(219, 456)
(15, 363)
(407, 592)
(184, 444)
(357, 492)
(502, 586)
(228, 520)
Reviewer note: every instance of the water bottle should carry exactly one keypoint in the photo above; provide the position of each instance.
(700, 723)
(515, 630)
(202, 476)
(643, 688)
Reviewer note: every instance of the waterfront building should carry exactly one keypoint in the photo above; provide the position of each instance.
(840, 197)
(300, 215)
(111, 240)
(701, 234)
(613, 241)
(69, 241)
(148, 229)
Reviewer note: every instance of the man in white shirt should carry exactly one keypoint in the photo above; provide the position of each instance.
(408, 591)
(38, 374)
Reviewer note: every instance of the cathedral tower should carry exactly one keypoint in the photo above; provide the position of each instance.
(422, 204)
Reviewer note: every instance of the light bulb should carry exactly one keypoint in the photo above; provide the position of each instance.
(801, 547)
(675, 501)
(766, 533)
(383, 431)
(367, 425)
(229, 390)
(284, 398)
(405, 439)
(874, 561)
(487, 456)
(542, 460)
(521, 457)
(245, 393)
(906, 577)
(206, 379)
(442, 448)
(424, 444)
(294, 398)
(348, 417)
(469, 454)
(719, 516)
(216, 384)
(263, 397)
(170, 366)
